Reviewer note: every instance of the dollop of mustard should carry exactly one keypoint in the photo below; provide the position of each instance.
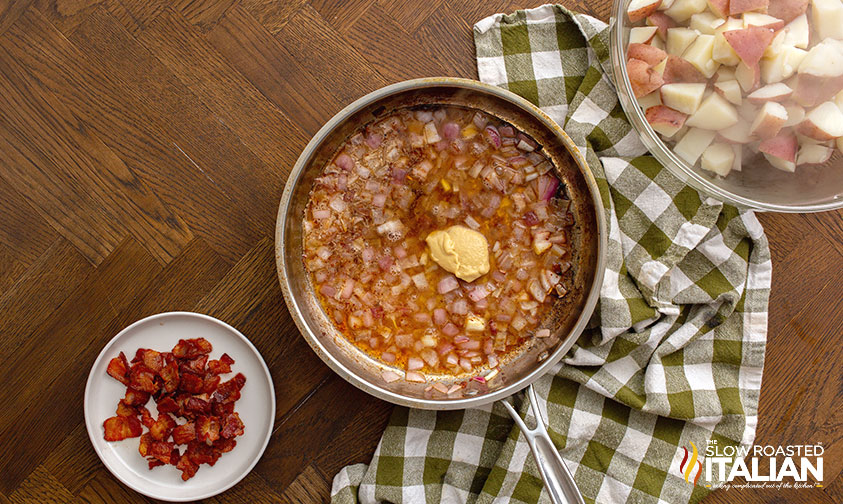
(460, 250)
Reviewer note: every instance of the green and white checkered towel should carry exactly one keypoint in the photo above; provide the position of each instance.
(678, 354)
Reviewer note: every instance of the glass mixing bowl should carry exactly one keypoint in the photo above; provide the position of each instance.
(811, 188)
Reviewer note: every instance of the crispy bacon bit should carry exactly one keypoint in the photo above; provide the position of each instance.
(221, 366)
(211, 383)
(188, 469)
(145, 442)
(225, 445)
(162, 427)
(170, 374)
(149, 358)
(232, 426)
(161, 450)
(146, 417)
(136, 397)
(198, 406)
(124, 409)
(153, 463)
(142, 378)
(185, 383)
(118, 428)
(184, 434)
(118, 369)
(201, 453)
(196, 366)
(192, 348)
(229, 391)
(222, 409)
(191, 383)
(207, 429)
(166, 404)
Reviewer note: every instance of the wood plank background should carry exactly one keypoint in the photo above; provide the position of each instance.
(144, 146)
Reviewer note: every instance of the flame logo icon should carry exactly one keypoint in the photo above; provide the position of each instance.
(686, 467)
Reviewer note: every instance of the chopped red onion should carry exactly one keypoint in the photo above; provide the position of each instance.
(450, 329)
(492, 136)
(414, 364)
(412, 376)
(379, 200)
(389, 376)
(447, 284)
(440, 317)
(450, 130)
(344, 161)
(374, 140)
(321, 213)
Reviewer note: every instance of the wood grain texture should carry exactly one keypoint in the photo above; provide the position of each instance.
(144, 145)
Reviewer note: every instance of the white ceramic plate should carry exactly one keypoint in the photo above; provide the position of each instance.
(256, 407)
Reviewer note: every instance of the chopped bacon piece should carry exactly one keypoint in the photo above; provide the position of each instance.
(210, 384)
(161, 450)
(145, 442)
(188, 469)
(207, 429)
(198, 406)
(118, 428)
(201, 453)
(184, 434)
(192, 348)
(170, 374)
(221, 366)
(175, 456)
(124, 409)
(162, 427)
(191, 383)
(196, 366)
(118, 369)
(166, 404)
(225, 445)
(142, 378)
(222, 409)
(136, 397)
(153, 463)
(232, 426)
(230, 391)
(146, 417)
(149, 358)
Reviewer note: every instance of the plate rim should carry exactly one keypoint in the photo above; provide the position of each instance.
(88, 419)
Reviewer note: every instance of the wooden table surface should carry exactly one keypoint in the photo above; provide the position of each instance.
(144, 146)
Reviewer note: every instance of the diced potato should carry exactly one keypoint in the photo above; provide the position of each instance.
(650, 100)
(693, 144)
(718, 158)
(642, 34)
(684, 97)
(827, 17)
(729, 89)
(678, 39)
(699, 54)
(682, 10)
(714, 113)
(705, 22)
(797, 33)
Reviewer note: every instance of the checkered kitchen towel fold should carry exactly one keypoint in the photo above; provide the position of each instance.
(678, 348)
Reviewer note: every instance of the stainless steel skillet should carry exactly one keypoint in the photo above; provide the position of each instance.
(566, 319)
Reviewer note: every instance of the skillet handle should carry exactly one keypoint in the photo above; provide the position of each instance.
(557, 478)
